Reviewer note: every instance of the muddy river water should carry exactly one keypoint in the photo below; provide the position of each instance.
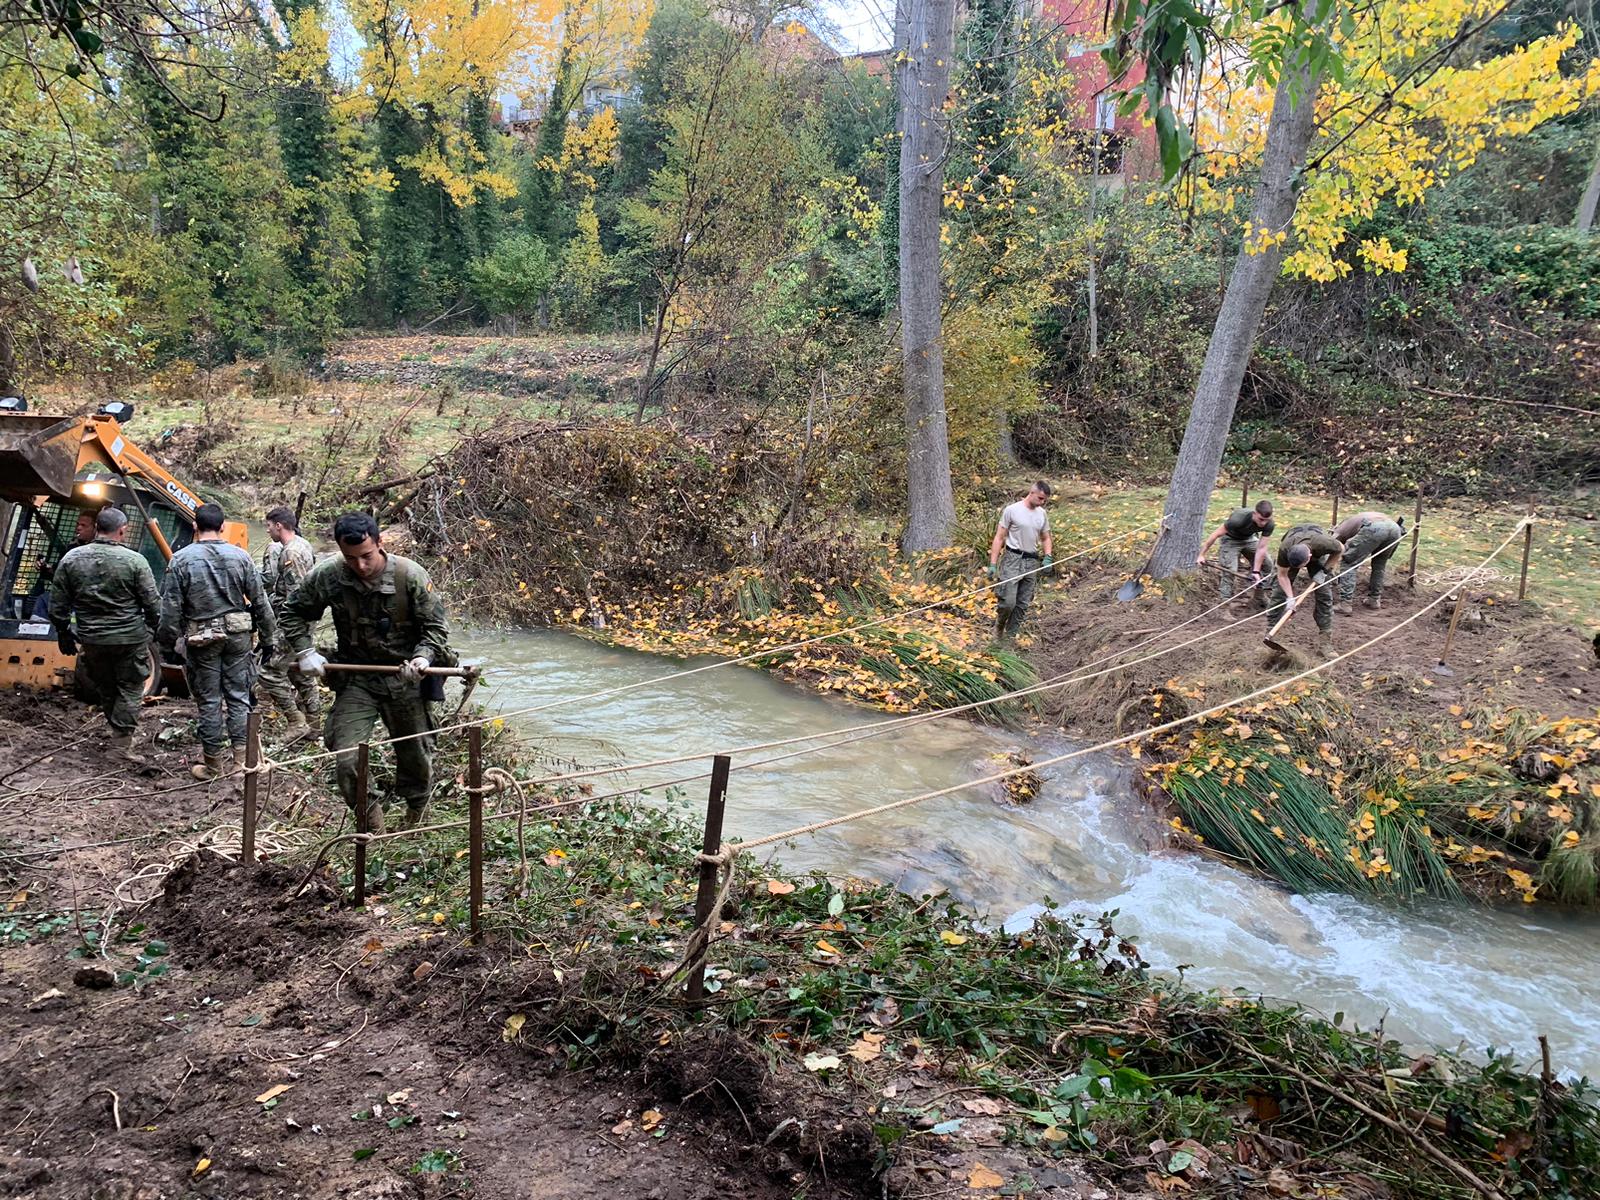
(1435, 974)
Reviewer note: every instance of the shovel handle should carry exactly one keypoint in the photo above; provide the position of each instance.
(1288, 612)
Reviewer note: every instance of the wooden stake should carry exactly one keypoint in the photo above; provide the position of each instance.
(1244, 495)
(1335, 508)
(1527, 549)
(252, 787)
(1416, 532)
(716, 805)
(363, 754)
(475, 831)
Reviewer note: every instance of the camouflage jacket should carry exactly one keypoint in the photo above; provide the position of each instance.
(395, 618)
(283, 566)
(210, 580)
(111, 589)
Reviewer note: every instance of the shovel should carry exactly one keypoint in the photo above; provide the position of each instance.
(1271, 638)
(1133, 589)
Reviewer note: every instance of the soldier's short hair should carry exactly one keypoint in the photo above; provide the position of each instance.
(1299, 555)
(1264, 507)
(1041, 487)
(354, 528)
(110, 520)
(283, 515)
(209, 518)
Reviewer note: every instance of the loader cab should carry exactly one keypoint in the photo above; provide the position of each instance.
(52, 471)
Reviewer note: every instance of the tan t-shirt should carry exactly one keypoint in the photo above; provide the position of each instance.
(1025, 527)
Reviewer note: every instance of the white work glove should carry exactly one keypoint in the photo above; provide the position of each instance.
(412, 671)
(312, 663)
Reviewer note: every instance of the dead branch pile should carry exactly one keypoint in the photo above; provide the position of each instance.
(531, 522)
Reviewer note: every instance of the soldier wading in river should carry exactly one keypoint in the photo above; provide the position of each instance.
(213, 603)
(385, 614)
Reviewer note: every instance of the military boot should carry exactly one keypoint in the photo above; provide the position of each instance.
(298, 730)
(122, 747)
(374, 816)
(214, 766)
(1325, 644)
(414, 815)
(1345, 609)
(1374, 602)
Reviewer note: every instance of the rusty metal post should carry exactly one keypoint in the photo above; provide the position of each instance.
(252, 787)
(1416, 532)
(475, 830)
(716, 805)
(1455, 617)
(1244, 495)
(1527, 549)
(1335, 518)
(363, 755)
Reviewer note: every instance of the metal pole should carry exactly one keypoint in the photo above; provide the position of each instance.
(1416, 532)
(1527, 549)
(252, 786)
(716, 805)
(1244, 495)
(363, 754)
(475, 830)
(1455, 616)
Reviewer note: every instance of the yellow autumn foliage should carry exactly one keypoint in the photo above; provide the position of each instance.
(1397, 125)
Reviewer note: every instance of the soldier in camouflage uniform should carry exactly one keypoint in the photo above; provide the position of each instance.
(288, 560)
(1311, 549)
(1367, 536)
(384, 613)
(113, 593)
(213, 601)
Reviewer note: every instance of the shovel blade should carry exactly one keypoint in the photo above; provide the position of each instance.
(1274, 644)
(1131, 590)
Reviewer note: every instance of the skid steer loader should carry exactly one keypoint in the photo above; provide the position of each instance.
(51, 470)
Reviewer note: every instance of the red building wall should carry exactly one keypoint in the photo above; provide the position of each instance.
(1079, 23)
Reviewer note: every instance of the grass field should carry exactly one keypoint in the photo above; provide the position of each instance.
(1563, 568)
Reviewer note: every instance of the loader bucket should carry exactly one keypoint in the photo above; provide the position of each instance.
(38, 455)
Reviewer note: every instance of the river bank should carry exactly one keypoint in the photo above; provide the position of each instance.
(854, 1030)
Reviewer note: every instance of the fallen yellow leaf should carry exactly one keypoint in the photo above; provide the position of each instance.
(513, 1027)
(779, 887)
(826, 946)
(272, 1092)
(982, 1177)
(650, 1118)
(951, 939)
(201, 1167)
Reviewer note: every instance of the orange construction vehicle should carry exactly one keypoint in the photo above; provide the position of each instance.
(52, 469)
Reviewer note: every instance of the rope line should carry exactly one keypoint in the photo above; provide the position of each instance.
(764, 652)
(843, 737)
(889, 724)
(1112, 743)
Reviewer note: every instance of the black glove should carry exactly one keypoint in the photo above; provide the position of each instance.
(65, 642)
(267, 651)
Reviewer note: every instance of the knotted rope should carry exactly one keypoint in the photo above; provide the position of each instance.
(699, 939)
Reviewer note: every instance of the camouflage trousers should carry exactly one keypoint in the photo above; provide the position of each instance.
(1377, 541)
(1016, 589)
(220, 677)
(358, 705)
(117, 676)
(1234, 554)
(288, 691)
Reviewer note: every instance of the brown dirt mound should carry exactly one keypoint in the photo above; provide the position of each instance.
(1506, 654)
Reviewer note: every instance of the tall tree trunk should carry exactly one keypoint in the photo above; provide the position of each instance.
(1094, 250)
(924, 83)
(1591, 196)
(1238, 322)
